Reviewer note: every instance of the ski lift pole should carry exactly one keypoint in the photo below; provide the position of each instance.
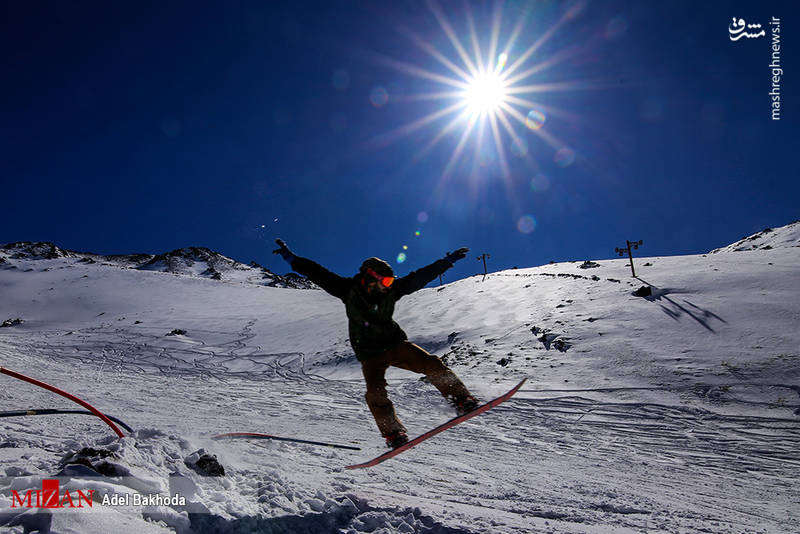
(621, 252)
(483, 257)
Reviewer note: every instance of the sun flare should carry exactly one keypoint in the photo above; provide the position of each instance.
(485, 93)
(489, 92)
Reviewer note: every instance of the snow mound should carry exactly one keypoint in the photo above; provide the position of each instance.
(769, 238)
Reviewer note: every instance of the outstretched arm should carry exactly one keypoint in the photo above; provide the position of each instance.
(330, 282)
(418, 279)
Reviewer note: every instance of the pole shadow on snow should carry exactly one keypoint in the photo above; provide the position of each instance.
(676, 310)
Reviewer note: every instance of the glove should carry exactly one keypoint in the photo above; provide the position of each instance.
(284, 251)
(459, 254)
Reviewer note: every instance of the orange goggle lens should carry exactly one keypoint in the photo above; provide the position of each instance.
(385, 281)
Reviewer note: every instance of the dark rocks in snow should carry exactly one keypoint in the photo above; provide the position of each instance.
(96, 460)
(89, 452)
(181, 261)
(11, 322)
(177, 332)
(549, 339)
(212, 273)
(298, 282)
(784, 236)
(644, 291)
(190, 261)
(39, 250)
(561, 345)
(205, 464)
(589, 265)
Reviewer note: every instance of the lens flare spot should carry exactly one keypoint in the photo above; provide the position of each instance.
(486, 156)
(616, 27)
(341, 80)
(422, 217)
(502, 59)
(171, 127)
(535, 119)
(405, 247)
(540, 183)
(401, 257)
(564, 157)
(651, 110)
(574, 8)
(379, 97)
(526, 224)
(417, 233)
(338, 123)
(519, 147)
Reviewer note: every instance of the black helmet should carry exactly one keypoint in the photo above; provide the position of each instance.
(377, 265)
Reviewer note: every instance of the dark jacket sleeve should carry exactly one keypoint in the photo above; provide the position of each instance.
(418, 279)
(332, 283)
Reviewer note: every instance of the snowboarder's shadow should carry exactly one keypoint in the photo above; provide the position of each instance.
(676, 310)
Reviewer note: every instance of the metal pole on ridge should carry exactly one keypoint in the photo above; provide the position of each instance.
(73, 398)
(483, 257)
(621, 251)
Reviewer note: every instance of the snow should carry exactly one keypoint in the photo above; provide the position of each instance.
(673, 412)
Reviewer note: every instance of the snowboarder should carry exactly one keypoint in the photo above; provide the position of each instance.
(378, 341)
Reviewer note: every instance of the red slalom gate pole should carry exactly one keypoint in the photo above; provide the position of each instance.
(73, 398)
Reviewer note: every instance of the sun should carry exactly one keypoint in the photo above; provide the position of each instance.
(485, 93)
(488, 92)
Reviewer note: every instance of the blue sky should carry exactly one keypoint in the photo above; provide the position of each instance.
(144, 128)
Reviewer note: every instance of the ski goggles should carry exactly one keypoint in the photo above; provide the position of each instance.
(385, 281)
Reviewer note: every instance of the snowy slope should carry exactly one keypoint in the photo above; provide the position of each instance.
(673, 412)
(788, 236)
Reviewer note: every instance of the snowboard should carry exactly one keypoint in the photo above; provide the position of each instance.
(441, 428)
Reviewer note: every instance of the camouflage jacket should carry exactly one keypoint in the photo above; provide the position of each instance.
(371, 327)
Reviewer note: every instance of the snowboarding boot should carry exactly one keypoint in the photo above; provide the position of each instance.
(396, 439)
(466, 405)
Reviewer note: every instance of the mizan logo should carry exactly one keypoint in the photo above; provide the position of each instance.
(50, 497)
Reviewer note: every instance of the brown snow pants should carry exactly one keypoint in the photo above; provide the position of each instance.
(411, 357)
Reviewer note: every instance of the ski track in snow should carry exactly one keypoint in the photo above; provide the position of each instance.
(672, 443)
